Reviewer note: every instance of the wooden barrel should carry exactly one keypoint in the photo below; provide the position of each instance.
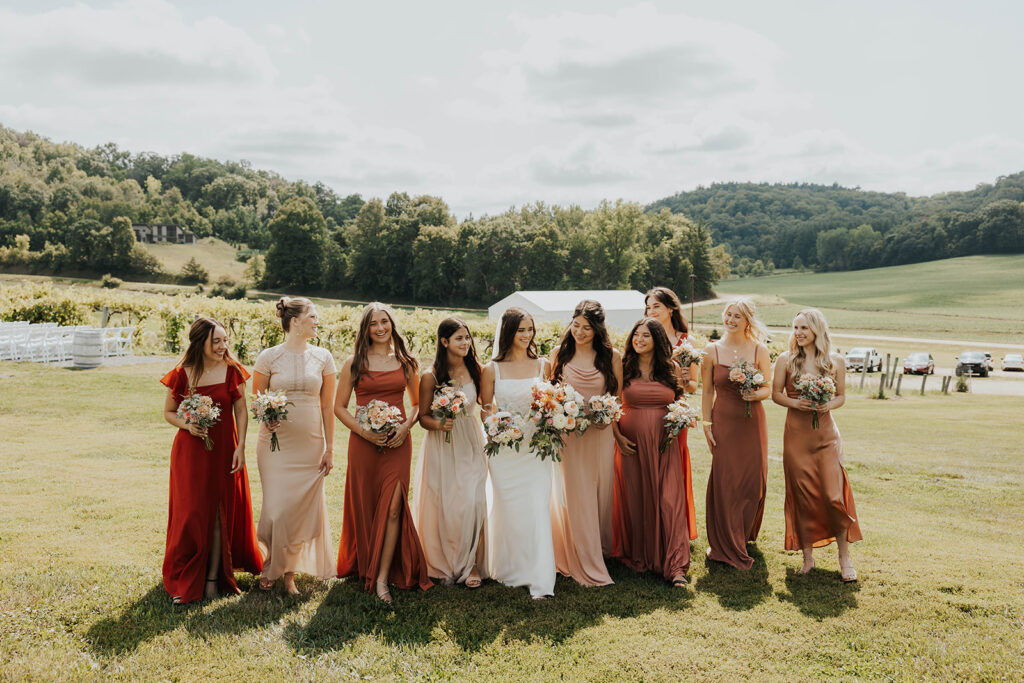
(87, 348)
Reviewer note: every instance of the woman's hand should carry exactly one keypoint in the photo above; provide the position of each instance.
(197, 431)
(709, 435)
(805, 404)
(238, 459)
(272, 425)
(684, 374)
(625, 445)
(445, 425)
(398, 437)
(377, 439)
(327, 462)
(600, 425)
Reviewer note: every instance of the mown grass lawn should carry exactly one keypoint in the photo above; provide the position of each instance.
(938, 481)
(972, 297)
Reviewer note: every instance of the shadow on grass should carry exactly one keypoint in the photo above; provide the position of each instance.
(736, 589)
(473, 619)
(153, 614)
(820, 594)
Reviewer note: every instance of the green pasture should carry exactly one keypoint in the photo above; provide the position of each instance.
(974, 297)
(83, 497)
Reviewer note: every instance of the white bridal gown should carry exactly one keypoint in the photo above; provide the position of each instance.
(519, 547)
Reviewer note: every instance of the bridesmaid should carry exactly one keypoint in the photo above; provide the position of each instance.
(819, 501)
(209, 522)
(378, 539)
(662, 304)
(519, 547)
(739, 444)
(449, 503)
(650, 498)
(294, 532)
(581, 505)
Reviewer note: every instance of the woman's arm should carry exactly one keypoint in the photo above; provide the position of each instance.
(487, 406)
(428, 383)
(341, 398)
(779, 394)
(689, 377)
(763, 362)
(707, 395)
(241, 425)
(327, 416)
(839, 400)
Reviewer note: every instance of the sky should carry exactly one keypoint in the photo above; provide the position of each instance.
(493, 105)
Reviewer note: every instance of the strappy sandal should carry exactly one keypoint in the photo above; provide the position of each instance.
(473, 582)
(848, 574)
(801, 571)
(384, 595)
(216, 593)
(265, 584)
(680, 581)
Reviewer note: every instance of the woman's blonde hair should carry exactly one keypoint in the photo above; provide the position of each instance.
(756, 331)
(822, 345)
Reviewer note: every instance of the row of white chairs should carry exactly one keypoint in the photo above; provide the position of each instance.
(53, 343)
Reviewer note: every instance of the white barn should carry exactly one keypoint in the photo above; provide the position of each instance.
(622, 307)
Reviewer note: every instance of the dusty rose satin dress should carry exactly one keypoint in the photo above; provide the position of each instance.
(651, 532)
(684, 450)
(819, 500)
(583, 492)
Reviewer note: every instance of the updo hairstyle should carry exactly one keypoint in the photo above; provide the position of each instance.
(290, 307)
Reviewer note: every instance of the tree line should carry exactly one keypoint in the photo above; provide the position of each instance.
(829, 227)
(66, 208)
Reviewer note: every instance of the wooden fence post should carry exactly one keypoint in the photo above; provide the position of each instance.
(924, 378)
(899, 383)
(892, 377)
(863, 373)
(881, 386)
(945, 384)
(104, 316)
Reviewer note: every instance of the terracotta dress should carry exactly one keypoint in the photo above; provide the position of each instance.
(738, 480)
(819, 501)
(583, 492)
(651, 533)
(201, 487)
(370, 482)
(294, 532)
(684, 449)
(449, 496)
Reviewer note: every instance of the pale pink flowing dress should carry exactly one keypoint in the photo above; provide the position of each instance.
(583, 493)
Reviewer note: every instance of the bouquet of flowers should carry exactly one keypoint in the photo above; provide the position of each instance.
(686, 354)
(379, 418)
(448, 402)
(680, 416)
(196, 409)
(604, 409)
(271, 406)
(817, 388)
(503, 429)
(746, 377)
(557, 409)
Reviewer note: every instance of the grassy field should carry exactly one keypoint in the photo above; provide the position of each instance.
(83, 490)
(215, 255)
(974, 297)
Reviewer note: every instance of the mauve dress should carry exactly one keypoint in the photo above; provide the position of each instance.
(583, 492)
(294, 531)
(819, 500)
(370, 482)
(738, 479)
(651, 532)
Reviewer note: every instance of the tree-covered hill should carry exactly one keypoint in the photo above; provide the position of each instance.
(67, 208)
(837, 228)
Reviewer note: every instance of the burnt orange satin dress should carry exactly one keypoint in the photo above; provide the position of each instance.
(738, 479)
(201, 486)
(370, 482)
(819, 500)
(649, 511)
(684, 450)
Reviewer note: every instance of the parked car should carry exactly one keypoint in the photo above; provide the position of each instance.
(989, 361)
(1013, 361)
(855, 359)
(919, 364)
(972, 362)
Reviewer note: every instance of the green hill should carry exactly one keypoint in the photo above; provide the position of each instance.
(215, 255)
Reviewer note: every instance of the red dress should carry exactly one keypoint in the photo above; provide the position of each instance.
(684, 449)
(370, 482)
(201, 485)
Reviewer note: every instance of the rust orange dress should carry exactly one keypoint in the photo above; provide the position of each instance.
(684, 449)
(201, 486)
(649, 511)
(738, 480)
(370, 482)
(819, 500)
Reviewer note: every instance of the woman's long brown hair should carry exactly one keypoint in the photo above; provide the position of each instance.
(442, 374)
(669, 300)
(363, 343)
(662, 367)
(193, 360)
(510, 320)
(593, 312)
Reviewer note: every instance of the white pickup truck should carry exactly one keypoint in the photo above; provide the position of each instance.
(855, 359)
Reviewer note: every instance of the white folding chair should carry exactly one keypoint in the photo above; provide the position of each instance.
(111, 339)
(29, 342)
(124, 341)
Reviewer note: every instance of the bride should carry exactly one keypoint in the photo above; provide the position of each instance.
(519, 548)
